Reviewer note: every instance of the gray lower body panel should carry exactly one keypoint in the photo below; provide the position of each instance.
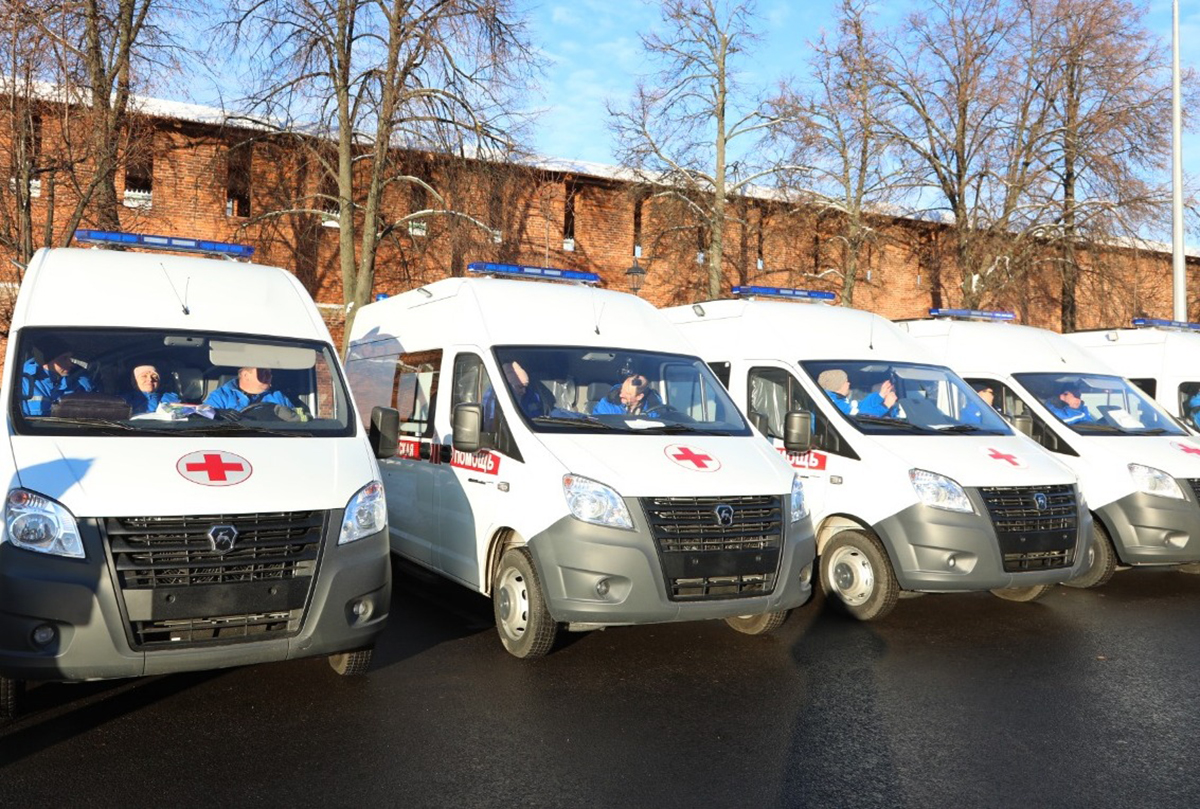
(79, 599)
(1151, 530)
(922, 542)
(572, 556)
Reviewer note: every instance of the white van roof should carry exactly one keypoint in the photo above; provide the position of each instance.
(498, 311)
(1145, 351)
(765, 328)
(972, 347)
(91, 287)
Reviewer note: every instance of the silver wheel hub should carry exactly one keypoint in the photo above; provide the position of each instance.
(851, 576)
(512, 600)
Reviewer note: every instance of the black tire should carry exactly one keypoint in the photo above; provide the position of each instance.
(12, 697)
(763, 624)
(1031, 593)
(857, 576)
(522, 620)
(352, 664)
(1102, 560)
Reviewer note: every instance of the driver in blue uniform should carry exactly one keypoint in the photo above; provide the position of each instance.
(1069, 407)
(251, 386)
(836, 384)
(633, 396)
(49, 375)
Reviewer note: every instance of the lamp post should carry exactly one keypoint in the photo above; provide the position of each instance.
(635, 276)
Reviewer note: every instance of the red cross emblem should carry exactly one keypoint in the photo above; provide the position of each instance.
(690, 458)
(997, 455)
(1188, 448)
(211, 468)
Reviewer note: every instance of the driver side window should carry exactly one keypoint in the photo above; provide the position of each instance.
(473, 385)
(771, 393)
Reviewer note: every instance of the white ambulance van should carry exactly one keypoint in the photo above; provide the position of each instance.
(914, 483)
(146, 532)
(1162, 357)
(564, 452)
(1139, 470)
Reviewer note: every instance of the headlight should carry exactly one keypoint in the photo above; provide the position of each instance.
(595, 503)
(939, 491)
(799, 507)
(366, 513)
(36, 523)
(1149, 480)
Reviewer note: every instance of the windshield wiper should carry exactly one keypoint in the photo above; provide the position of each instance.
(677, 427)
(1088, 426)
(961, 428)
(582, 421)
(890, 422)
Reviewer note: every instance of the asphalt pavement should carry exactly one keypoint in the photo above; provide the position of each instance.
(1084, 699)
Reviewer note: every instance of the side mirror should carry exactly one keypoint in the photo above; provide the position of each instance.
(1023, 423)
(797, 431)
(468, 427)
(384, 432)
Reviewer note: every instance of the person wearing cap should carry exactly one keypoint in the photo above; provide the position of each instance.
(632, 396)
(251, 386)
(1069, 407)
(146, 396)
(971, 413)
(49, 375)
(836, 384)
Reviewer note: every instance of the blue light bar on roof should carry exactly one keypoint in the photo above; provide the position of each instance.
(1143, 322)
(545, 273)
(972, 314)
(176, 244)
(784, 292)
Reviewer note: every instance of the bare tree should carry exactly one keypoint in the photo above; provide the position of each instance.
(690, 133)
(831, 127)
(356, 83)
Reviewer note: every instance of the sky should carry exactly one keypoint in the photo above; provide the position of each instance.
(594, 54)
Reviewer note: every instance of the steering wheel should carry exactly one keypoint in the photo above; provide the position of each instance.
(269, 410)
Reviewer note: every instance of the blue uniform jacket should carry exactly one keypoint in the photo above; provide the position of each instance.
(530, 403)
(41, 388)
(610, 404)
(147, 402)
(870, 405)
(230, 397)
(1070, 415)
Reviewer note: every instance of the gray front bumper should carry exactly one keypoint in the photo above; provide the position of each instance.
(1150, 530)
(921, 541)
(78, 597)
(572, 556)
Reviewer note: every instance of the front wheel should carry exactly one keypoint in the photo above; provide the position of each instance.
(1031, 593)
(525, 626)
(1101, 560)
(763, 624)
(12, 697)
(352, 664)
(856, 573)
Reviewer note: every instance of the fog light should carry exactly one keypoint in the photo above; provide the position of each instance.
(806, 574)
(602, 588)
(361, 608)
(952, 562)
(43, 635)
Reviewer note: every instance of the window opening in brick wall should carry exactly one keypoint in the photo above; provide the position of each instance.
(418, 200)
(237, 180)
(572, 191)
(637, 226)
(758, 235)
(139, 178)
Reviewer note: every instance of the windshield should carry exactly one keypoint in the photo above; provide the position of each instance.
(1099, 404)
(587, 389)
(896, 397)
(149, 382)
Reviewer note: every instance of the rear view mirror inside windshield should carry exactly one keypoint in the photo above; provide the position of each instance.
(257, 355)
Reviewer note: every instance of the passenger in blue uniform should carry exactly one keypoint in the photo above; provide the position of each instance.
(836, 383)
(146, 395)
(250, 387)
(971, 413)
(633, 396)
(1193, 410)
(1069, 406)
(49, 375)
(529, 399)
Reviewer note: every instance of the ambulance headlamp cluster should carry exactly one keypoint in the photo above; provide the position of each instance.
(36, 523)
(783, 292)
(365, 514)
(1149, 480)
(595, 503)
(799, 507)
(972, 314)
(522, 271)
(939, 491)
(1165, 324)
(177, 244)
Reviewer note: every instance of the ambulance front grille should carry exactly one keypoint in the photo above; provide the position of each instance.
(717, 547)
(1036, 526)
(179, 589)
